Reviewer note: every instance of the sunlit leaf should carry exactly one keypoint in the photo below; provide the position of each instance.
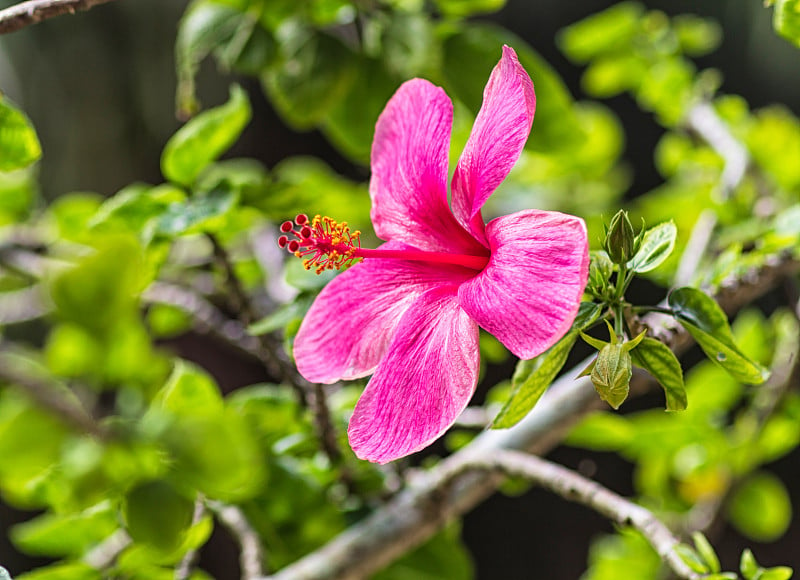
(656, 246)
(19, 145)
(204, 138)
(786, 19)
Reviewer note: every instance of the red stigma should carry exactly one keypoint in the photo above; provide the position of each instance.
(324, 243)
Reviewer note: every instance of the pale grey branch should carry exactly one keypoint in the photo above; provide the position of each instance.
(251, 558)
(579, 489)
(704, 121)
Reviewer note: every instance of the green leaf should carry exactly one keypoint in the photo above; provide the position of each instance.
(19, 145)
(215, 454)
(314, 75)
(204, 138)
(657, 359)
(748, 565)
(702, 317)
(408, 44)
(656, 246)
(786, 20)
(65, 535)
(203, 212)
(706, 551)
(609, 31)
(464, 8)
(134, 206)
(281, 317)
(63, 571)
(760, 507)
(468, 59)
(204, 26)
(189, 391)
(691, 558)
(602, 431)
(157, 515)
(697, 36)
(588, 313)
(101, 291)
(350, 125)
(776, 573)
(531, 379)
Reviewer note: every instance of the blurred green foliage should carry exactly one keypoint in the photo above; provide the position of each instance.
(116, 282)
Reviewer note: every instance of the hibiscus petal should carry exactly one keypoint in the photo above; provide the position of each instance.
(409, 170)
(498, 136)
(347, 329)
(423, 383)
(528, 294)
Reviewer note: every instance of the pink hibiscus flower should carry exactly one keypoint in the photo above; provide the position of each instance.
(409, 312)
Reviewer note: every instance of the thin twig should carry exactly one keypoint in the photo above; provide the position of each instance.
(48, 392)
(103, 554)
(308, 394)
(703, 120)
(24, 14)
(186, 565)
(579, 489)
(251, 557)
(424, 507)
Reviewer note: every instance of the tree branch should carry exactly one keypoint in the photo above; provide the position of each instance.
(252, 554)
(24, 14)
(579, 489)
(437, 497)
(704, 121)
(46, 391)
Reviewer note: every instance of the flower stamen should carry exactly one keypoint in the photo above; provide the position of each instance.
(324, 243)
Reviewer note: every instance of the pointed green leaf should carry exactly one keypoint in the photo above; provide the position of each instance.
(657, 244)
(657, 359)
(189, 390)
(702, 317)
(748, 565)
(691, 558)
(777, 573)
(198, 213)
(531, 379)
(706, 551)
(786, 20)
(594, 342)
(204, 138)
(588, 313)
(19, 145)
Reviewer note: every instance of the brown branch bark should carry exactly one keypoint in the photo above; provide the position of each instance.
(31, 12)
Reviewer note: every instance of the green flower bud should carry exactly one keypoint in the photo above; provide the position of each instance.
(611, 374)
(600, 270)
(620, 243)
